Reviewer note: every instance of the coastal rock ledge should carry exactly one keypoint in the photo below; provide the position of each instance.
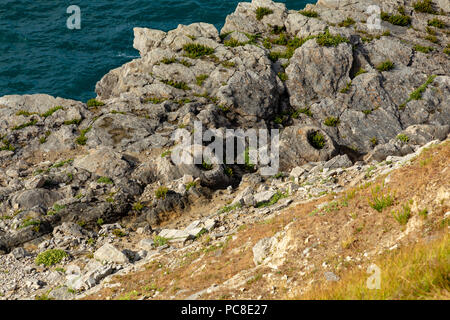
(84, 180)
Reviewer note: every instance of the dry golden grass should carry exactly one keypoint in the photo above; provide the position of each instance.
(415, 272)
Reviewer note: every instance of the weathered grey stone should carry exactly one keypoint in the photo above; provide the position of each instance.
(110, 254)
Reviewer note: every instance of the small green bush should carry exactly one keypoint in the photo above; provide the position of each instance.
(402, 216)
(201, 79)
(105, 180)
(436, 23)
(24, 125)
(347, 22)
(331, 122)
(283, 76)
(385, 66)
(261, 12)
(425, 6)
(347, 87)
(51, 111)
(309, 13)
(178, 85)
(82, 139)
(306, 111)
(360, 72)
(160, 241)
(94, 103)
(403, 138)
(195, 51)
(423, 49)
(50, 257)
(161, 192)
(417, 94)
(328, 40)
(317, 140)
(380, 201)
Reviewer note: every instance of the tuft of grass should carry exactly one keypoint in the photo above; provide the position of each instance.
(309, 13)
(6, 145)
(190, 185)
(29, 222)
(92, 103)
(436, 23)
(50, 257)
(417, 94)
(432, 39)
(73, 121)
(55, 209)
(360, 72)
(24, 125)
(138, 206)
(328, 40)
(317, 140)
(201, 79)
(161, 192)
(276, 197)
(178, 85)
(379, 200)
(385, 66)
(424, 6)
(195, 51)
(154, 100)
(417, 272)
(105, 180)
(402, 216)
(283, 76)
(423, 49)
(261, 12)
(347, 22)
(231, 208)
(347, 87)
(160, 241)
(306, 111)
(396, 19)
(331, 122)
(51, 111)
(82, 139)
(403, 138)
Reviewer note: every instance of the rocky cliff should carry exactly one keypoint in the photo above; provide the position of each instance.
(87, 182)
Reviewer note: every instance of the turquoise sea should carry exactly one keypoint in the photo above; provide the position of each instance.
(39, 54)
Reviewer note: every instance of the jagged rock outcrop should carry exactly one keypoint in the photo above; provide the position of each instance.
(68, 167)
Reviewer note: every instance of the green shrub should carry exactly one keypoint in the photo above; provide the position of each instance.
(100, 221)
(276, 197)
(50, 257)
(138, 206)
(309, 13)
(161, 192)
(306, 111)
(24, 125)
(400, 20)
(331, 122)
(119, 233)
(347, 87)
(190, 185)
(317, 140)
(29, 222)
(347, 22)
(403, 138)
(154, 100)
(160, 241)
(436, 23)
(417, 94)
(105, 180)
(380, 201)
(94, 103)
(328, 40)
(51, 111)
(283, 76)
(402, 216)
(262, 11)
(194, 50)
(178, 85)
(360, 72)
(385, 66)
(82, 139)
(201, 79)
(425, 6)
(423, 49)
(431, 38)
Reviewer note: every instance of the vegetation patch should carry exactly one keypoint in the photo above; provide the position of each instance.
(423, 49)
(425, 6)
(50, 257)
(82, 139)
(379, 200)
(385, 66)
(105, 180)
(436, 23)
(161, 192)
(195, 51)
(417, 94)
(402, 216)
(347, 22)
(261, 12)
(331, 122)
(328, 40)
(403, 138)
(309, 13)
(178, 85)
(317, 140)
(201, 79)
(24, 125)
(92, 103)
